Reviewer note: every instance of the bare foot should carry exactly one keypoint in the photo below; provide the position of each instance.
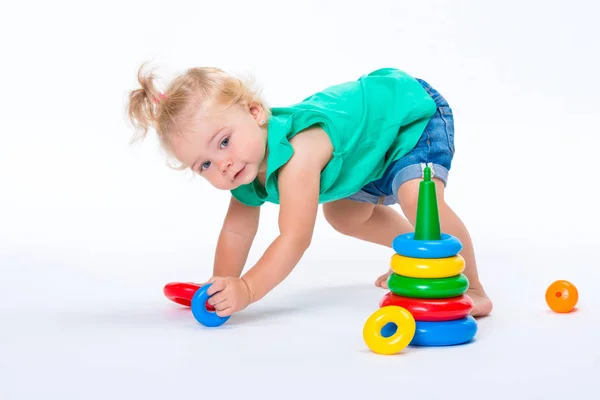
(482, 303)
(382, 280)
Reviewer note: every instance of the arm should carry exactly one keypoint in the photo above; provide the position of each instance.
(299, 185)
(236, 237)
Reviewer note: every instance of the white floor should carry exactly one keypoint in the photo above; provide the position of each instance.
(72, 330)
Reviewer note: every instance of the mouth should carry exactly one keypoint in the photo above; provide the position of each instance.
(241, 171)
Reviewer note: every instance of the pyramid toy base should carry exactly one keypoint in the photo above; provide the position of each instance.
(434, 334)
(445, 333)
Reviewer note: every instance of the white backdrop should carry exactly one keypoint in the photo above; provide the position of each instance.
(89, 223)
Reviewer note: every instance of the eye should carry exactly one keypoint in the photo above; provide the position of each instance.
(205, 165)
(224, 142)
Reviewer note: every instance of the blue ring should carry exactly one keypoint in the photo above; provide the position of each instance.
(202, 315)
(445, 333)
(407, 246)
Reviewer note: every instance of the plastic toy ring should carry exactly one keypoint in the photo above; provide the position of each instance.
(427, 267)
(407, 246)
(385, 344)
(446, 309)
(200, 312)
(182, 293)
(432, 288)
(447, 333)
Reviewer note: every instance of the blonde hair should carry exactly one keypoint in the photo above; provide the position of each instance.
(187, 93)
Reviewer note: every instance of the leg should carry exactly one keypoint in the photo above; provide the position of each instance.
(381, 224)
(374, 223)
(408, 194)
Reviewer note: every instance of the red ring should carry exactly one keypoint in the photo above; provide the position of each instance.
(182, 293)
(431, 309)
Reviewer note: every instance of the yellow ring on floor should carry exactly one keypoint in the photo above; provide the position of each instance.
(403, 335)
(427, 267)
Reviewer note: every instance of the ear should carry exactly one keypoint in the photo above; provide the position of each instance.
(257, 111)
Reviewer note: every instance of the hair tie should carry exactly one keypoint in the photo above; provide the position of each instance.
(162, 96)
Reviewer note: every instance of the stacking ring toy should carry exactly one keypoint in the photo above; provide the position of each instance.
(432, 288)
(182, 293)
(407, 246)
(427, 267)
(200, 312)
(446, 333)
(562, 296)
(445, 309)
(384, 343)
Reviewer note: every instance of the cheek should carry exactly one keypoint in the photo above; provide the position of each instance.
(217, 181)
(248, 147)
(257, 146)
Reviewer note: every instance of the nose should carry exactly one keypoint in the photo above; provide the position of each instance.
(225, 165)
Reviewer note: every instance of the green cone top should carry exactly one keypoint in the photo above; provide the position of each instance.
(428, 218)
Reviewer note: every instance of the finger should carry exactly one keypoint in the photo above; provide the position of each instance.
(209, 307)
(217, 286)
(225, 312)
(217, 298)
(222, 306)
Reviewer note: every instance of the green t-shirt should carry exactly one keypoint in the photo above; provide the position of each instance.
(371, 122)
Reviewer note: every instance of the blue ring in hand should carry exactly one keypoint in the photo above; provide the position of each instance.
(445, 333)
(202, 315)
(407, 246)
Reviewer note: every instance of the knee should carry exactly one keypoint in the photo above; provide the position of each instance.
(408, 204)
(343, 221)
(338, 220)
(408, 198)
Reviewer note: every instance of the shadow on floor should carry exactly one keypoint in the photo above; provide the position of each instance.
(322, 300)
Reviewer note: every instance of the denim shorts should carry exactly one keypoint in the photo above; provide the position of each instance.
(434, 149)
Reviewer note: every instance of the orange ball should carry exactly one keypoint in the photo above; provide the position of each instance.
(561, 296)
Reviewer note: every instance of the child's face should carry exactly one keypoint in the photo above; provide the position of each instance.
(226, 147)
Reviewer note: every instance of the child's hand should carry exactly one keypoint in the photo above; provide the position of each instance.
(228, 295)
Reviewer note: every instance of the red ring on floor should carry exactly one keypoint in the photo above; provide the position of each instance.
(182, 293)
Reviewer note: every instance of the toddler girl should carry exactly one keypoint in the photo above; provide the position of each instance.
(355, 147)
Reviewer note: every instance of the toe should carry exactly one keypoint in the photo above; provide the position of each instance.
(382, 281)
(482, 305)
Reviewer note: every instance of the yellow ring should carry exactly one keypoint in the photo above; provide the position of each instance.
(427, 267)
(406, 328)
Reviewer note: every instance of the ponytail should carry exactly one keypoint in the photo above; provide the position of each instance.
(143, 104)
